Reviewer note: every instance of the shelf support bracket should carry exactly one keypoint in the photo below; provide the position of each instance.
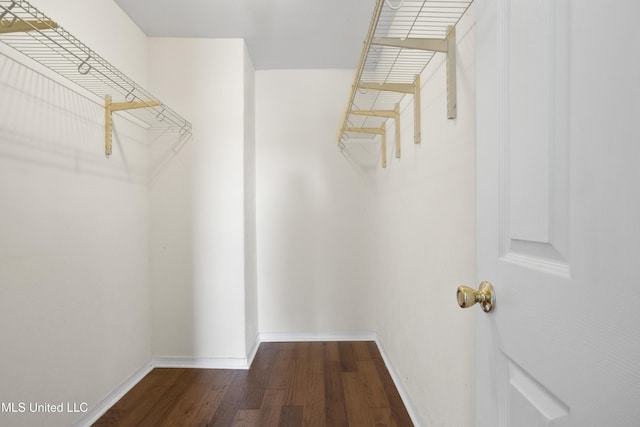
(390, 114)
(109, 108)
(15, 26)
(446, 45)
(434, 45)
(410, 88)
(382, 131)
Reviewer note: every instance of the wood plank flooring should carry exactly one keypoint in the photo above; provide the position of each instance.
(289, 384)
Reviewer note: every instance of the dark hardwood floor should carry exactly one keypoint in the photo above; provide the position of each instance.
(289, 384)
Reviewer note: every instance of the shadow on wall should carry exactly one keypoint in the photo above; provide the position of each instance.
(170, 146)
(363, 156)
(45, 123)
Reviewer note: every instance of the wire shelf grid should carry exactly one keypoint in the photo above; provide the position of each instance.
(55, 48)
(387, 64)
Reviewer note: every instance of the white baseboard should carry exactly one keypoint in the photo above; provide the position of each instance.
(404, 395)
(208, 362)
(200, 362)
(253, 350)
(98, 410)
(329, 336)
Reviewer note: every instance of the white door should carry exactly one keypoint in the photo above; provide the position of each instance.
(558, 212)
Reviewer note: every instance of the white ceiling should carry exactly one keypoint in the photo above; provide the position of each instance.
(280, 34)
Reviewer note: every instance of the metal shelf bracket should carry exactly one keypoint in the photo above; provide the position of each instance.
(404, 88)
(382, 131)
(14, 26)
(389, 114)
(446, 45)
(109, 108)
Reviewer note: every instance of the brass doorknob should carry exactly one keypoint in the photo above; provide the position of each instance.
(484, 295)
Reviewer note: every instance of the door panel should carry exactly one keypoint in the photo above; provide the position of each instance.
(525, 118)
(530, 403)
(558, 202)
(534, 140)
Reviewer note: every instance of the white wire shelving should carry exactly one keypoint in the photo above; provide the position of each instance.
(403, 37)
(26, 29)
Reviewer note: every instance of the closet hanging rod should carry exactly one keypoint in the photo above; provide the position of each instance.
(29, 31)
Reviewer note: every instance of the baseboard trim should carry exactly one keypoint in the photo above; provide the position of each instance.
(103, 406)
(208, 362)
(397, 381)
(314, 336)
(253, 351)
(200, 362)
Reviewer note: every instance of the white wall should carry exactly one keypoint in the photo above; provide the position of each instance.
(74, 271)
(250, 231)
(425, 241)
(198, 199)
(313, 209)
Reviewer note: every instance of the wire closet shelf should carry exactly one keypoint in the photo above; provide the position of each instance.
(30, 32)
(387, 59)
